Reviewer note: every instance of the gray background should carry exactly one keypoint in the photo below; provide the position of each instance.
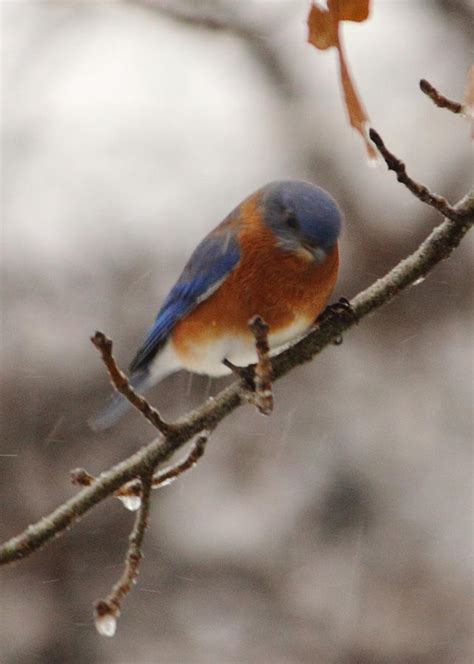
(338, 531)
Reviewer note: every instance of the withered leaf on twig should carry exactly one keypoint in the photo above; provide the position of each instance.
(469, 98)
(324, 33)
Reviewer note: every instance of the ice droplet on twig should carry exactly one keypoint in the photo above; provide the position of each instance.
(106, 625)
(132, 503)
(419, 281)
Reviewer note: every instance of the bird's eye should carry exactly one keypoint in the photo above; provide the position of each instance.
(292, 222)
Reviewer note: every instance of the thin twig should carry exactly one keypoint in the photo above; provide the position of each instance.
(199, 19)
(122, 385)
(130, 493)
(226, 19)
(438, 99)
(108, 610)
(263, 369)
(419, 190)
(168, 475)
(438, 246)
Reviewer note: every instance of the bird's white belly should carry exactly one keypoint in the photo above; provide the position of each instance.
(207, 358)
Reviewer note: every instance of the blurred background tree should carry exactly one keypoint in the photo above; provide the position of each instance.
(337, 531)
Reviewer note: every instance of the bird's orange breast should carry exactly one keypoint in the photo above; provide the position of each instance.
(281, 286)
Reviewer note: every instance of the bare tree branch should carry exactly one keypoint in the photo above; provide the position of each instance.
(122, 385)
(419, 190)
(130, 493)
(169, 475)
(108, 610)
(438, 99)
(223, 17)
(263, 369)
(438, 246)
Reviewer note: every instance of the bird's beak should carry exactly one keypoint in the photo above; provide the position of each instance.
(318, 254)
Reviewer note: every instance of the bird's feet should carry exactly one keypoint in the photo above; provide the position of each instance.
(340, 308)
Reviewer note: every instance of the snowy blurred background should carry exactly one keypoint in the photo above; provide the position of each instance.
(338, 531)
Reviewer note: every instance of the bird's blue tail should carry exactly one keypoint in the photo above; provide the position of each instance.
(118, 404)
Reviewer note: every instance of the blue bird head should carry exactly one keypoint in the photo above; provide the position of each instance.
(302, 216)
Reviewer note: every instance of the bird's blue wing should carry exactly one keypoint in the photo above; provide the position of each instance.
(212, 261)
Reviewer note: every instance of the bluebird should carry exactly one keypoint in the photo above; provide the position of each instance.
(275, 255)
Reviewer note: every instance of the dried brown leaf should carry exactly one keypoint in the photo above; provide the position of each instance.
(323, 24)
(469, 98)
(469, 91)
(323, 28)
(353, 10)
(357, 114)
(323, 33)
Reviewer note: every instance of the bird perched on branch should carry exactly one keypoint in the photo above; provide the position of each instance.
(275, 255)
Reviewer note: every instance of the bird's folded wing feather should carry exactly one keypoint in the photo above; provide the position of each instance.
(210, 264)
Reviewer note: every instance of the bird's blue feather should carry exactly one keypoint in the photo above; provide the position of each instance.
(214, 258)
